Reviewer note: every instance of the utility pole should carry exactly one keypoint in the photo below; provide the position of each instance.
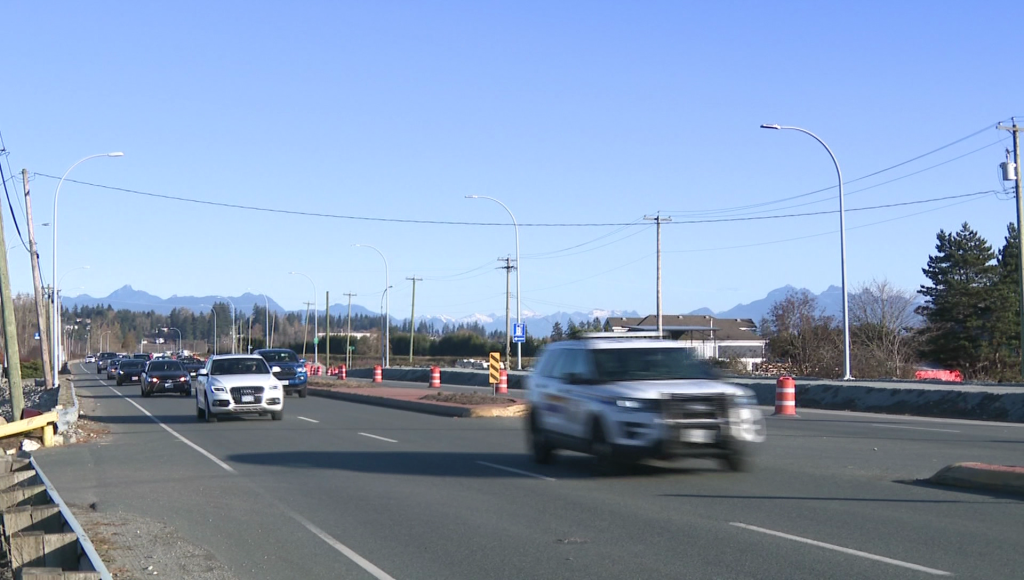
(412, 315)
(508, 267)
(327, 334)
(1020, 217)
(348, 333)
(658, 220)
(37, 284)
(305, 329)
(13, 358)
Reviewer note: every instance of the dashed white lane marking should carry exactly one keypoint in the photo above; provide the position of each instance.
(874, 557)
(379, 437)
(345, 550)
(184, 440)
(914, 428)
(519, 471)
(310, 420)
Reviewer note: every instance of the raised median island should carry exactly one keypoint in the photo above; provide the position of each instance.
(421, 401)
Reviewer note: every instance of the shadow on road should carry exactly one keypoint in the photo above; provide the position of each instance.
(449, 464)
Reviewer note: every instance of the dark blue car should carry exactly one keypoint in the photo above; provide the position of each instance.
(293, 369)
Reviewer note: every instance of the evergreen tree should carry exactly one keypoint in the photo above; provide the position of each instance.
(557, 333)
(1006, 312)
(960, 302)
(607, 325)
(572, 331)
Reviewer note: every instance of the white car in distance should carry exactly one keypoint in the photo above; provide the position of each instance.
(237, 385)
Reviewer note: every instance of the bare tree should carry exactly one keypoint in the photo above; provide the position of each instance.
(882, 317)
(803, 336)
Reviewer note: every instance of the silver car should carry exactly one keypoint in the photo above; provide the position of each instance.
(237, 385)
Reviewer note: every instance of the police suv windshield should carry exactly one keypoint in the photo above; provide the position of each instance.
(648, 364)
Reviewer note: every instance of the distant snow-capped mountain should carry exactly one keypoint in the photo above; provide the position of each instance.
(536, 324)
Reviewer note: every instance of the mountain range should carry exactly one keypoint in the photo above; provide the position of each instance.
(126, 297)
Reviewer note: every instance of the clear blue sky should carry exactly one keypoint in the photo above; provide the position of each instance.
(567, 111)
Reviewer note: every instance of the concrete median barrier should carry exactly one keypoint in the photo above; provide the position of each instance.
(1002, 478)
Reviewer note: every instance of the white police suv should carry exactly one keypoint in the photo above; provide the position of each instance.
(626, 399)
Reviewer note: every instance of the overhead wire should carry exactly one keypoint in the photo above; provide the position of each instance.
(855, 180)
(6, 155)
(1002, 140)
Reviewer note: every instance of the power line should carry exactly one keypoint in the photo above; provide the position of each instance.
(487, 224)
(831, 211)
(863, 177)
(1003, 140)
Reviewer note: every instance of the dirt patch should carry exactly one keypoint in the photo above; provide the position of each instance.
(339, 384)
(133, 547)
(36, 397)
(467, 399)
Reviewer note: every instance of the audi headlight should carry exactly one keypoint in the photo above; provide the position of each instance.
(219, 389)
(637, 404)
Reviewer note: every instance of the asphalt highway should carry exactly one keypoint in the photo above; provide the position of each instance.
(342, 490)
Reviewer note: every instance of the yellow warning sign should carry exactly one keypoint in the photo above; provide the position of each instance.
(495, 367)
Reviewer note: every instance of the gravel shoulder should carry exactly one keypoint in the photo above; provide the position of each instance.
(133, 547)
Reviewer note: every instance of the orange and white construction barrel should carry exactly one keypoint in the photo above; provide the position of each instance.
(785, 397)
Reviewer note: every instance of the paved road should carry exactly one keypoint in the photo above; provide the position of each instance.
(340, 490)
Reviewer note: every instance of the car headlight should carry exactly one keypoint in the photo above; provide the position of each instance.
(219, 389)
(647, 405)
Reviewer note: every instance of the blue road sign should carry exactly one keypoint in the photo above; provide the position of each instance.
(37, 336)
(518, 332)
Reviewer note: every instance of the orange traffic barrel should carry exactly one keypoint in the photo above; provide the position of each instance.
(785, 397)
(503, 382)
(378, 374)
(435, 377)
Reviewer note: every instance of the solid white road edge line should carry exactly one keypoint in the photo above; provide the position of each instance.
(932, 571)
(520, 472)
(379, 437)
(205, 453)
(345, 550)
(310, 420)
(914, 428)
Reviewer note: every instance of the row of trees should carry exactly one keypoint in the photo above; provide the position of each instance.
(969, 319)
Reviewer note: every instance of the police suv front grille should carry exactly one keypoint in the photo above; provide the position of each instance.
(694, 407)
(256, 392)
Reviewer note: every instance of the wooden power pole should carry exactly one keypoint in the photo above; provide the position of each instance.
(658, 220)
(327, 333)
(13, 358)
(1020, 217)
(412, 315)
(508, 267)
(37, 283)
(348, 333)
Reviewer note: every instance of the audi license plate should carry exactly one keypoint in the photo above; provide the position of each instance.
(697, 436)
(248, 399)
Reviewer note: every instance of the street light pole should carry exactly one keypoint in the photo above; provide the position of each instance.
(58, 310)
(56, 315)
(387, 305)
(233, 340)
(842, 244)
(316, 327)
(519, 269)
(179, 337)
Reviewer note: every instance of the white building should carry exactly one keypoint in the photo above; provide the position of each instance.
(709, 337)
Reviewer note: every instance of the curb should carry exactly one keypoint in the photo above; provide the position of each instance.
(981, 476)
(421, 407)
(67, 414)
